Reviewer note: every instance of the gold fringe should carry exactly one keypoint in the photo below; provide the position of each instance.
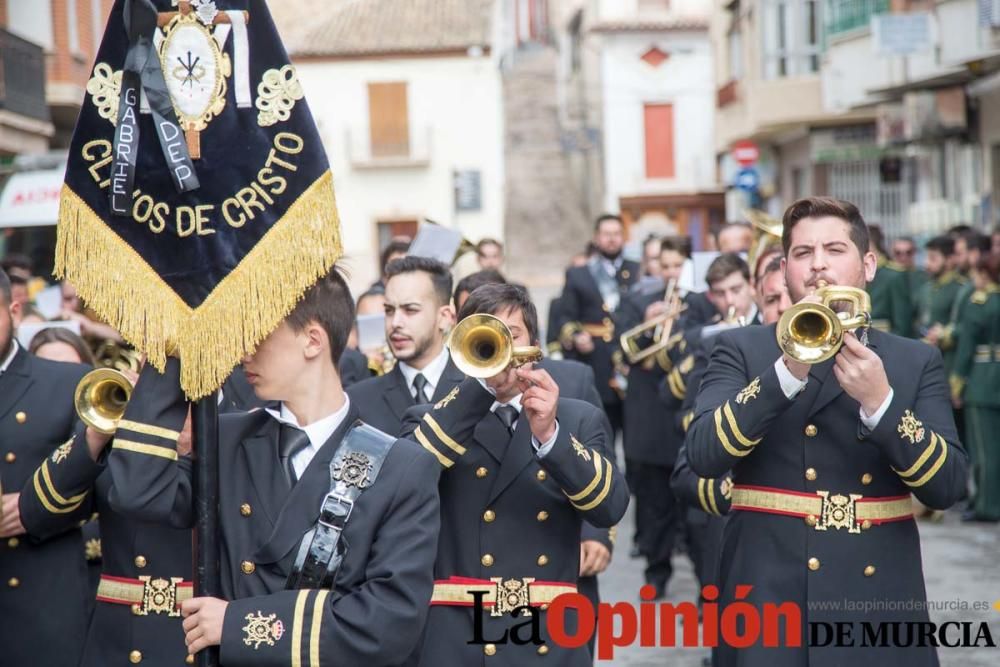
(240, 312)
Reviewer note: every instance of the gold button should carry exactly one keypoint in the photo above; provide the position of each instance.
(490, 649)
(811, 430)
(541, 476)
(13, 542)
(489, 515)
(543, 515)
(13, 582)
(866, 524)
(137, 610)
(866, 479)
(135, 657)
(487, 560)
(870, 570)
(481, 472)
(21, 417)
(543, 560)
(140, 561)
(606, 308)
(10, 458)
(543, 649)
(245, 509)
(248, 567)
(811, 520)
(189, 660)
(814, 564)
(626, 273)
(811, 474)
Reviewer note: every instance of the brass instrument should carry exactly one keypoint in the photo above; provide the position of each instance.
(388, 361)
(766, 233)
(101, 397)
(811, 333)
(117, 356)
(660, 326)
(482, 346)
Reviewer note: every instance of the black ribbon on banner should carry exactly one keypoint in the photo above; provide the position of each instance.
(142, 72)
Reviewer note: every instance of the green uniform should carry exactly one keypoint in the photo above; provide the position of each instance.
(917, 279)
(935, 302)
(976, 378)
(892, 305)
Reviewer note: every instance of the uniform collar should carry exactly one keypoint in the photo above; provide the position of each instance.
(319, 431)
(432, 372)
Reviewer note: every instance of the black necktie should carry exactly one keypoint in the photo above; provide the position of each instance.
(507, 414)
(419, 384)
(291, 441)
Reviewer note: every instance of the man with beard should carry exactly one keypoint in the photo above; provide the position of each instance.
(418, 316)
(590, 298)
(42, 567)
(824, 458)
(937, 296)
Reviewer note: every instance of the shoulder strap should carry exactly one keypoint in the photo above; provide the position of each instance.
(354, 468)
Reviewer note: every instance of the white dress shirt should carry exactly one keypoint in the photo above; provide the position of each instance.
(10, 356)
(319, 432)
(432, 373)
(792, 386)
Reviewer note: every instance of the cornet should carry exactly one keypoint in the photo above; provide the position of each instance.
(660, 326)
(811, 333)
(482, 346)
(101, 397)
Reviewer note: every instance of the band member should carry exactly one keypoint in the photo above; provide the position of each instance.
(418, 316)
(824, 457)
(513, 498)
(42, 565)
(734, 237)
(938, 294)
(649, 436)
(590, 298)
(145, 567)
(975, 383)
(295, 589)
(892, 305)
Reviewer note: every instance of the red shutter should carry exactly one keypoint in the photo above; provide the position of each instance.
(659, 124)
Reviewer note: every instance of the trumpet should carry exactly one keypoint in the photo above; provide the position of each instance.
(660, 326)
(100, 399)
(482, 346)
(388, 361)
(811, 333)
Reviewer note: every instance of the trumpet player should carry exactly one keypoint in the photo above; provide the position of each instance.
(44, 575)
(824, 457)
(513, 495)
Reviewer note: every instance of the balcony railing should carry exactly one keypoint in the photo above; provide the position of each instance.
(22, 77)
(364, 153)
(844, 15)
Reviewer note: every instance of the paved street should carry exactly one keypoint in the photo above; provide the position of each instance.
(960, 564)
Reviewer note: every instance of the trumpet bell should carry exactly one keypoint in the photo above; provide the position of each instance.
(810, 333)
(482, 346)
(101, 397)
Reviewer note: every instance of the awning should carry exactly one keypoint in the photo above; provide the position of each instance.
(31, 198)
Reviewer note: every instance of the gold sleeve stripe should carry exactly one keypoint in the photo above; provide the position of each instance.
(724, 439)
(686, 422)
(922, 459)
(317, 620)
(149, 429)
(604, 492)
(710, 493)
(300, 610)
(56, 496)
(444, 437)
(143, 448)
(426, 444)
(701, 495)
(52, 509)
(934, 468)
(727, 409)
(593, 483)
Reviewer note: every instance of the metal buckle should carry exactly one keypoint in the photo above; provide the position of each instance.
(838, 512)
(511, 594)
(341, 509)
(159, 596)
